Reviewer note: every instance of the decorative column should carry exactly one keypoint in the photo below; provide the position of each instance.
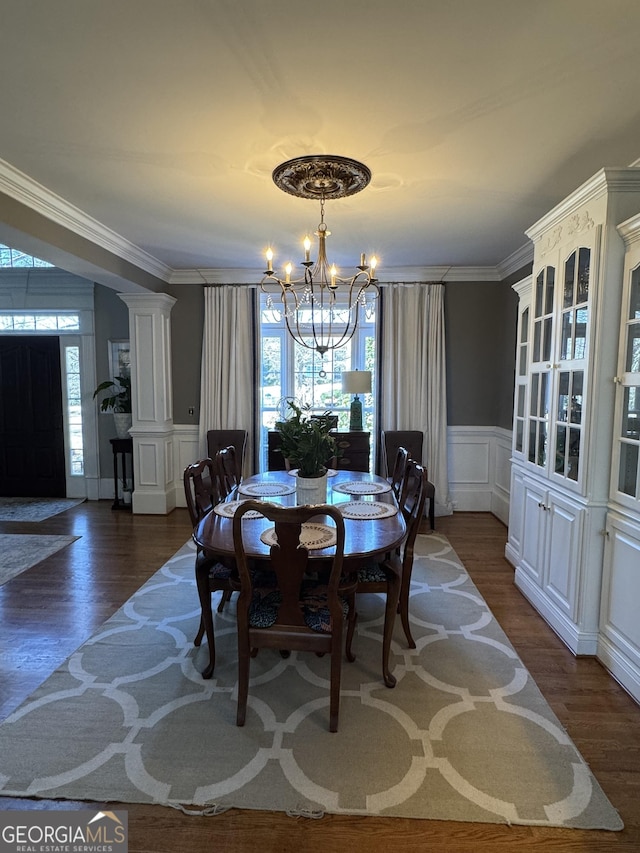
(152, 402)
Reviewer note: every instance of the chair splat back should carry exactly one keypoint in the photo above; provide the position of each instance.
(227, 469)
(285, 606)
(399, 468)
(201, 488)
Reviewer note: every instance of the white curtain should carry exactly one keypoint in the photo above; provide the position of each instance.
(227, 382)
(413, 385)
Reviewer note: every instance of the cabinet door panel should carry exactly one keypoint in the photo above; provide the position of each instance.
(563, 536)
(532, 545)
(621, 589)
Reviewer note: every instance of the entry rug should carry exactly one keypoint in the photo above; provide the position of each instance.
(34, 509)
(465, 735)
(18, 552)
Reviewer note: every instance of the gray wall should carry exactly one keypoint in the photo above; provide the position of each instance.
(187, 323)
(480, 328)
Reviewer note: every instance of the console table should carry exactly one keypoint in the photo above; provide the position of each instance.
(121, 447)
(353, 451)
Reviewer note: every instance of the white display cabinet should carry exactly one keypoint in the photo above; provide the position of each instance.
(563, 444)
(619, 642)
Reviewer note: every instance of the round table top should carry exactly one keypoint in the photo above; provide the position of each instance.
(364, 537)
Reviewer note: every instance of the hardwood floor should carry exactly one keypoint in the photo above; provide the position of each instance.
(49, 610)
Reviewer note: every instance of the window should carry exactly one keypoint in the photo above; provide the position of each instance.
(40, 322)
(74, 410)
(15, 258)
(288, 370)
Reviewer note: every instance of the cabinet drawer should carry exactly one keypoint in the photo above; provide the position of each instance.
(353, 451)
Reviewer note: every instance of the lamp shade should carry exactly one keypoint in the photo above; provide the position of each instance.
(356, 381)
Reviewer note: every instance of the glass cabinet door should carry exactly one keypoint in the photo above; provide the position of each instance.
(628, 398)
(558, 366)
(572, 358)
(522, 372)
(542, 338)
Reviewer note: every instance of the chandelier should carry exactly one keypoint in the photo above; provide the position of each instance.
(320, 308)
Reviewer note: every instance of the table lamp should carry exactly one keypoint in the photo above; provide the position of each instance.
(356, 382)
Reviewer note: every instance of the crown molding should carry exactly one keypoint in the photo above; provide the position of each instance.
(388, 275)
(518, 259)
(604, 181)
(629, 230)
(37, 197)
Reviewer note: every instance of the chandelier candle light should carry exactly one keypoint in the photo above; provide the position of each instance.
(356, 382)
(321, 308)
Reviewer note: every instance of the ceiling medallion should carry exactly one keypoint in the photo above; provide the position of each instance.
(321, 176)
(320, 308)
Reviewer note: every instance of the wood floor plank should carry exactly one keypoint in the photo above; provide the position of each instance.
(48, 611)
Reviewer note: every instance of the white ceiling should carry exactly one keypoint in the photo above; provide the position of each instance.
(162, 120)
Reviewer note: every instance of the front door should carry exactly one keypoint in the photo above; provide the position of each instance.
(32, 460)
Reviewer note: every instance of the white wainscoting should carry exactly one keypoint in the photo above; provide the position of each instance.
(480, 469)
(479, 466)
(186, 449)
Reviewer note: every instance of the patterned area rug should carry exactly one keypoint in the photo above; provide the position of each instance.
(19, 552)
(465, 735)
(34, 509)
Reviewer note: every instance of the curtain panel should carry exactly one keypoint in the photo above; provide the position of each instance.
(413, 384)
(227, 379)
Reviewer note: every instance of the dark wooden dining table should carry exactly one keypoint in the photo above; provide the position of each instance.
(365, 538)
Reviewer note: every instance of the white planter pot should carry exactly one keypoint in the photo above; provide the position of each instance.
(122, 421)
(311, 490)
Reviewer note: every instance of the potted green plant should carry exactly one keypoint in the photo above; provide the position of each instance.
(118, 401)
(308, 446)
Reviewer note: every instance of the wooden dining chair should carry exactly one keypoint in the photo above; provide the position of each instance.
(227, 468)
(397, 475)
(412, 440)
(213, 572)
(218, 439)
(392, 576)
(290, 611)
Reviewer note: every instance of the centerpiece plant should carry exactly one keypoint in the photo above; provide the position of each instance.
(305, 441)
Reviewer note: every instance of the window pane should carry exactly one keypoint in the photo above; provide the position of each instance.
(584, 261)
(634, 301)
(569, 274)
(524, 333)
(519, 435)
(628, 474)
(537, 332)
(551, 274)
(576, 397)
(539, 294)
(74, 409)
(581, 318)
(535, 385)
(631, 413)
(633, 349)
(560, 450)
(563, 397)
(567, 334)
(574, 454)
(546, 348)
(542, 444)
